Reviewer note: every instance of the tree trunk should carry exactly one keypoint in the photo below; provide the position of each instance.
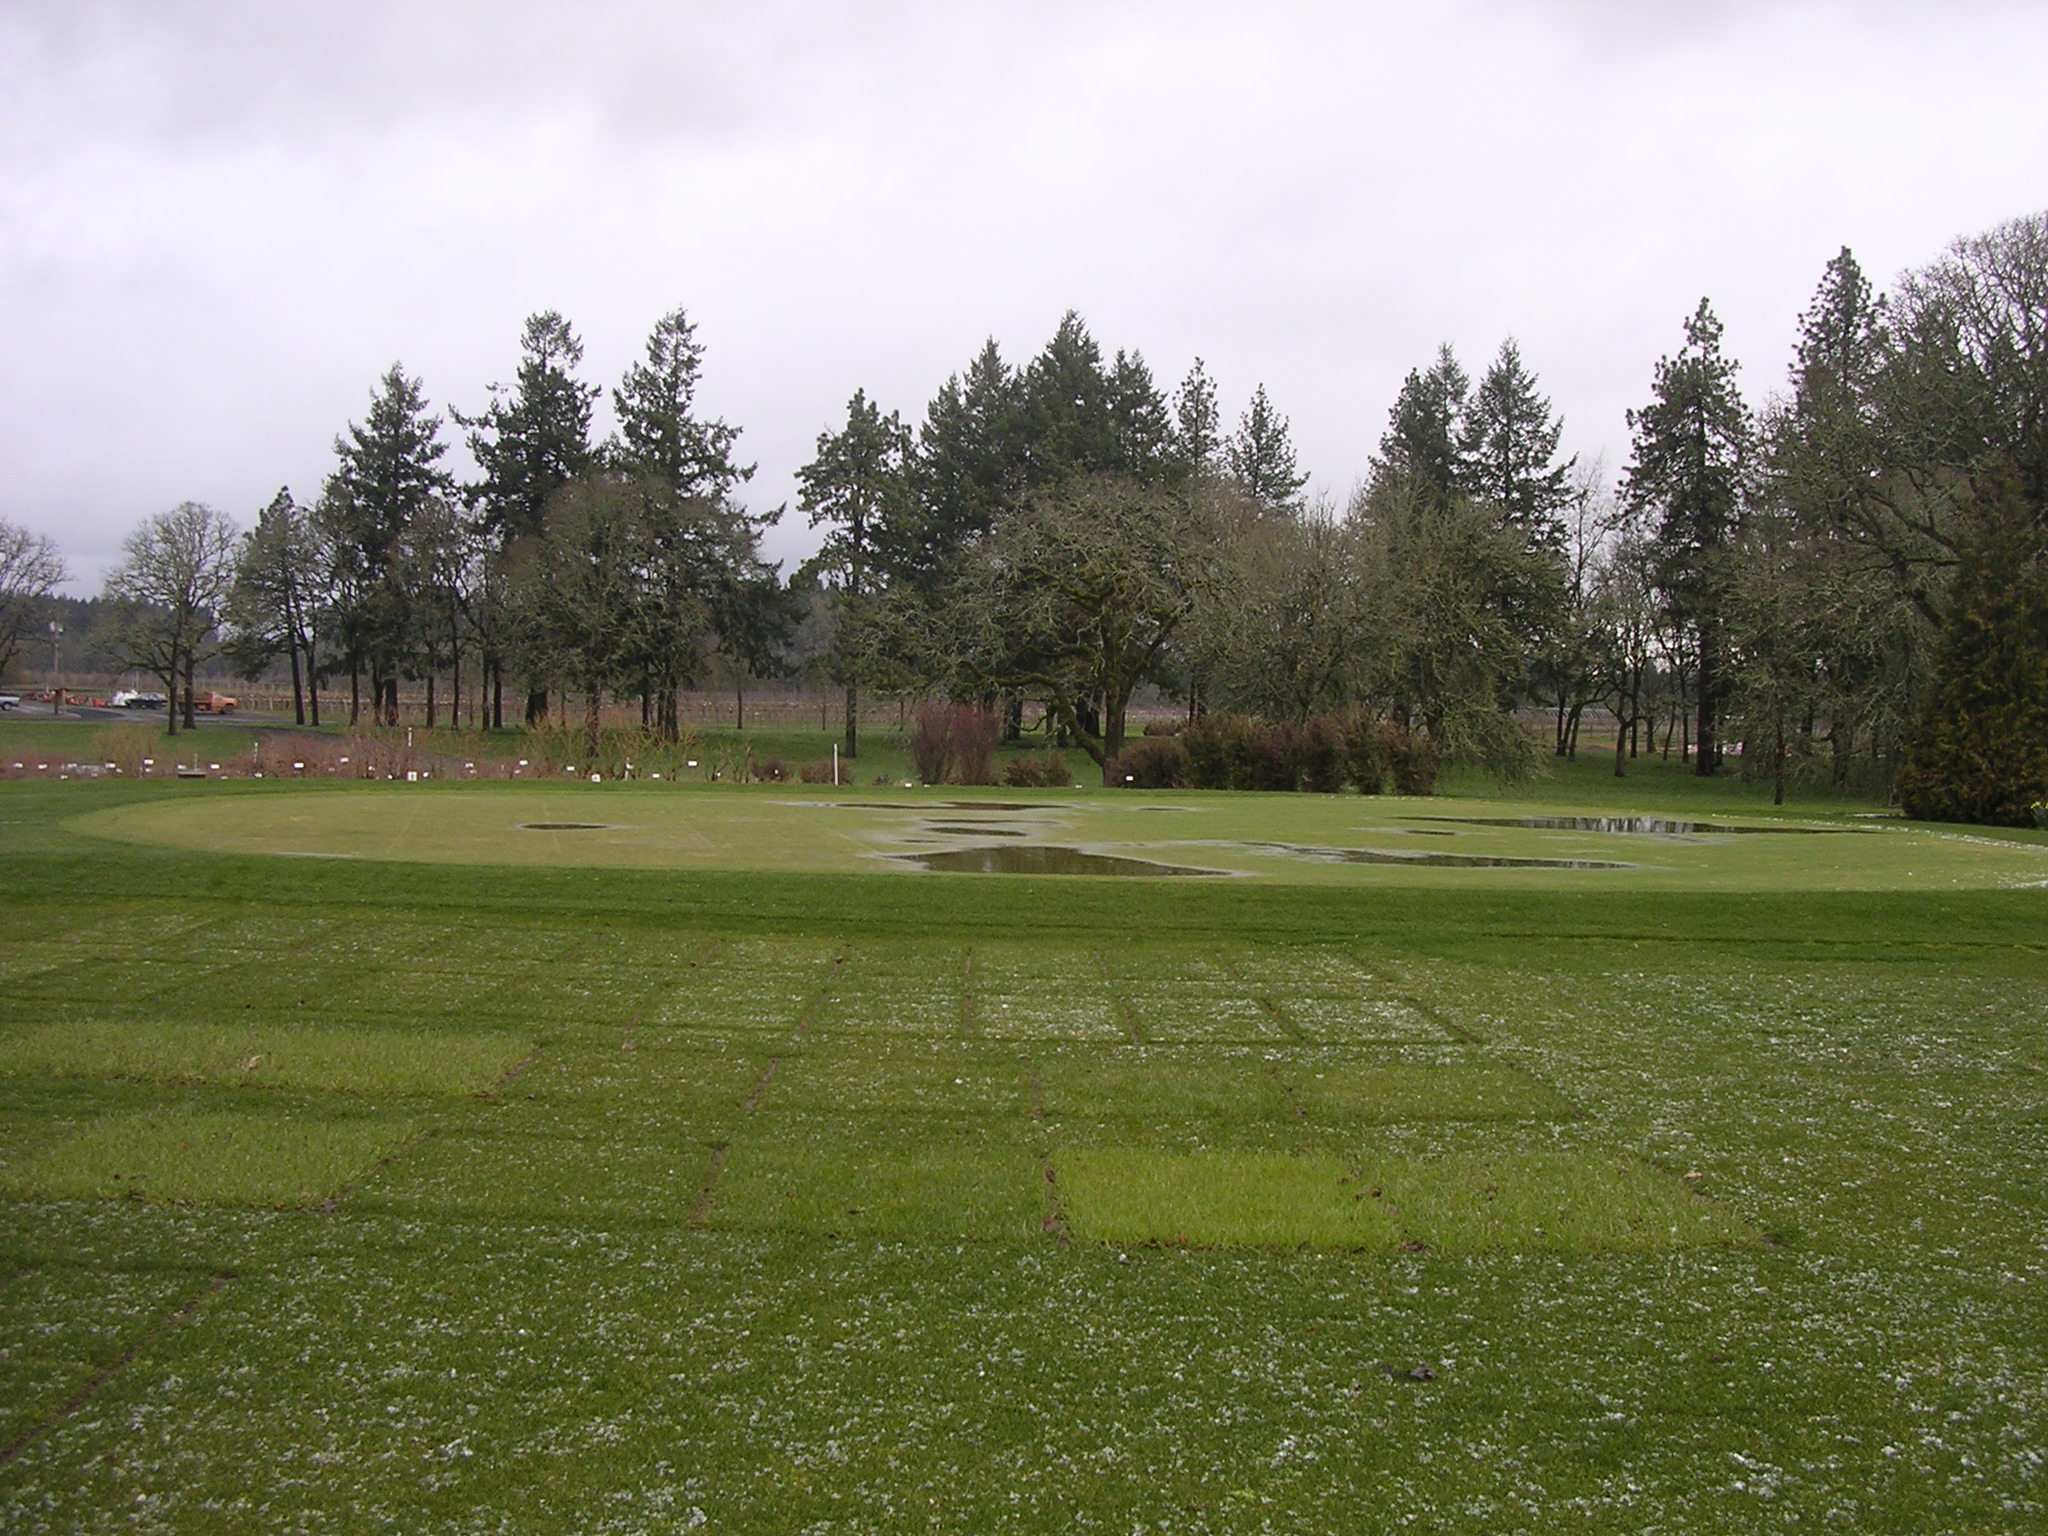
(313, 684)
(1778, 757)
(592, 700)
(298, 694)
(852, 722)
(1620, 746)
(355, 690)
(431, 716)
(536, 706)
(189, 722)
(739, 704)
(1705, 740)
(1113, 712)
(455, 669)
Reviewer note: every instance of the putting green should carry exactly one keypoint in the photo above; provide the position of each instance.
(1295, 839)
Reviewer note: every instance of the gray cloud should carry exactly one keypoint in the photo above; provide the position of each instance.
(219, 223)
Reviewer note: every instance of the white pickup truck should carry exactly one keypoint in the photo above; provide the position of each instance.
(9, 700)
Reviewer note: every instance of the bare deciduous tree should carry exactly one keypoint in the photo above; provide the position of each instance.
(30, 570)
(172, 584)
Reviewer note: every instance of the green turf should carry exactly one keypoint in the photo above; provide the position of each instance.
(779, 1190)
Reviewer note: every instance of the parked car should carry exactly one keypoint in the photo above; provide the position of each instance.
(123, 698)
(9, 700)
(214, 704)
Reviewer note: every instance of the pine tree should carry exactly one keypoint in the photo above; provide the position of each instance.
(388, 476)
(1423, 427)
(533, 438)
(660, 434)
(1509, 464)
(1823, 459)
(1140, 426)
(968, 466)
(1981, 751)
(1068, 428)
(1692, 450)
(702, 549)
(1508, 449)
(1198, 427)
(1261, 457)
(530, 441)
(855, 486)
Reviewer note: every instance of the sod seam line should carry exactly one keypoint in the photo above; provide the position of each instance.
(970, 1022)
(511, 1075)
(174, 1320)
(1117, 1002)
(700, 1212)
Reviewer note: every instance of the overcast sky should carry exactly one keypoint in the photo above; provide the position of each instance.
(220, 222)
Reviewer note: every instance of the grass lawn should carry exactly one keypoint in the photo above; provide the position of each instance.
(370, 1157)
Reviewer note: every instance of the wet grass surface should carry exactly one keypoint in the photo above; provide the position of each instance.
(635, 1199)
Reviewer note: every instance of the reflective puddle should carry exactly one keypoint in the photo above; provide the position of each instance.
(564, 826)
(1628, 826)
(1429, 860)
(965, 830)
(1040, 859)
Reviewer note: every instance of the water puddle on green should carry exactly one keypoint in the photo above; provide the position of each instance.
(1629, 826)
(1428, 860)
(1041, 859)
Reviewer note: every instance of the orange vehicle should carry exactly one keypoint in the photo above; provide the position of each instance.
(213, 704)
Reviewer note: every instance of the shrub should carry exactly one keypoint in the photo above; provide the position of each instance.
(770, 770)
(1365, 752)
(819, 772)
(1219, 751)
(1275, 756)
(931, 741)
(1320, 753)
(975, 733)
(1049, 772)
(954, 743)
(1151, 762)
(1163, 727)
(1411, 759)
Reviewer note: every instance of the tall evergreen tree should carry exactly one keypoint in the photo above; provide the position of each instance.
(1421, 442)
(701, 546)
(1141, 428)
(660, 434)
(1197, 425)
(1692, 450)
(532, 439)
(1509, 464)
(1068, 427)
(854, 486)
(1261, 457)
(387, 474)
(1823, 455)
(1981, 751)
(1508, 450)
(968, 466)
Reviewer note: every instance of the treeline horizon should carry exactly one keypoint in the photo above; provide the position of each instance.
(1847, 581)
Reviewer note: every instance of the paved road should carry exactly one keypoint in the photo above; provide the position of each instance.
(88, 714)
